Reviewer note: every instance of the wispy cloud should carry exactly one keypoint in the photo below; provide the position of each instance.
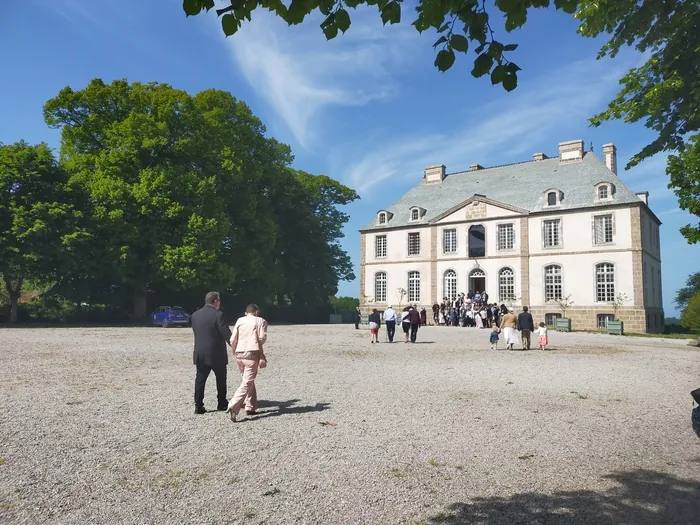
(74, 11)
(503, 129)
(299, 74)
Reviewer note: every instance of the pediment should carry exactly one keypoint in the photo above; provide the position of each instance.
(478, 207)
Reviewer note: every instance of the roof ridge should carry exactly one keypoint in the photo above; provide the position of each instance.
(496, 166)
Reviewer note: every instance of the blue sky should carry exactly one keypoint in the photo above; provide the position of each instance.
(368, 108)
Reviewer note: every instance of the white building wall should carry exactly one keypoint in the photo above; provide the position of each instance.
(397, 277)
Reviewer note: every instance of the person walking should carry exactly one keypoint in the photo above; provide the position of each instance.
(211, 335)
(542, 338)
(249, 337)
(414, 318)
(406, 322)
(390, 322)
(526, 325)
(423, 317)
(358, 317)
(508, 326)
(436, 313)
(374, 323)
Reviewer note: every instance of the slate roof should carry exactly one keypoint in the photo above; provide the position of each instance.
(520, 185)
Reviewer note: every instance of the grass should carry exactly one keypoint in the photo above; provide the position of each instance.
(398, 473)
(434, 463)
(356, 353)
(5, 506)
(2, 461)
(460, 467)
(444, 517)
(233, 480)
(272, 492)
(666, 336)
(248, 515)
(171, 478)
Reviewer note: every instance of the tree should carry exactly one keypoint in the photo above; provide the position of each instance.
(620, 300)
(344, 304)
(564, 304)
(457, 24)
(35, 217)
(690, 318)
(691, 288)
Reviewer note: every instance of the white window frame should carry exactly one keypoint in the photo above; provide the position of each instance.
(377, 253)
(550, 297)
(412, 212)
(413, 288)
(506, 280)
(380, 287)
(560, 236)
(604, 242)
(499, 228)
(408, 244)
(605, 318)
(605, 282)
(607, 192)
(449, 291)
(382, 218)
(453, 231)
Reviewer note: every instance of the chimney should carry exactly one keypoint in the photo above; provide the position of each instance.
(643, 195)
(610, 155)
(571, 150)
(475, 167)
(434, 173)
(539, 156)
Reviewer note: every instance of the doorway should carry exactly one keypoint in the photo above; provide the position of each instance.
(477, 281)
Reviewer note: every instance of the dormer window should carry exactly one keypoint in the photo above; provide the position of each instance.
(604, 191)
(415, 213)
(552, 198)
(382, 218)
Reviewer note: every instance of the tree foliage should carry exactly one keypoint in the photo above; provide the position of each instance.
(691, 288)
(36, 217)
(690, 318)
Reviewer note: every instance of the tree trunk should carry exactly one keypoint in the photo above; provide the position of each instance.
(140, 303)
(15, 293)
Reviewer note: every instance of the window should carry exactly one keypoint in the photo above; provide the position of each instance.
(603, 192)
(552, 283)
(414, 243)
(551, 320)
(415, 214)
(603, 320)
(506, 284)
(380, 287)
(506, 237)
(551, 233)
(605, 282)
(413, 287)
(450, 285)
(603, 229)
(552, 198)
(382, 218)
(477, 241)
(380, 246)
(449, 241)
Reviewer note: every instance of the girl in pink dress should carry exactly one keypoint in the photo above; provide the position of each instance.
(542, 338)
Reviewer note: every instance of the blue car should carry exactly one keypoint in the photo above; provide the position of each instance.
(167, 316)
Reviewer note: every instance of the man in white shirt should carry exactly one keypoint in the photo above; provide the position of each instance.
(390, 322)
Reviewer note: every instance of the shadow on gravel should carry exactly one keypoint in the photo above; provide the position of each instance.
(280, 408)
(642, 497)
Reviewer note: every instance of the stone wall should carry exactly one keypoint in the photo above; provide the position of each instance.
(476, 210)
(586, 317)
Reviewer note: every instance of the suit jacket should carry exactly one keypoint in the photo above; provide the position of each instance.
(525, 321)
(211, 334)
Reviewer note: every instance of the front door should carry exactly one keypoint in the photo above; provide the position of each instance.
(477, 284)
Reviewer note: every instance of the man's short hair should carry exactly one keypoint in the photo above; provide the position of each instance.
(212, 297)
(251, 308)
(524, 308)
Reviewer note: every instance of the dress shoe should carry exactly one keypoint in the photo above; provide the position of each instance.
(222, 407)
(251, 412)
(200, 410)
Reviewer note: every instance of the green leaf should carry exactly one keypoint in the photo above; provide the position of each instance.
(498, 74)
(297, 12)
(510, 81)
(482, 65)
(445, 59)
(191, 7)
(329, 21)
(342, 20)
(510, 47)
(331, 31)
(229, 24)
(459, 43)
(391, 13)
(568, 6)
(440, 40)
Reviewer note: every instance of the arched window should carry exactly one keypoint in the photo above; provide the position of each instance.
(477, 280)
(380, 287)
(450, 285)
(382, 218)
(477, 241)
(552, 198)
(603, 191)
(415, 214)
(506, 284)
(413, 287)
(552, 283)
(605, 282)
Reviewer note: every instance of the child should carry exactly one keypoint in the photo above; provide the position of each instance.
(542, 339)
(494, 338)
(374, 322)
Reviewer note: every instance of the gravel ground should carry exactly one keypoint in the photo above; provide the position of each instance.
(97, 426)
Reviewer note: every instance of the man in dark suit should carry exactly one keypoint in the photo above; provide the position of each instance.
(211, 335)
(526, 325)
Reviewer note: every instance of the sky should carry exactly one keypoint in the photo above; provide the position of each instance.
(368, 108)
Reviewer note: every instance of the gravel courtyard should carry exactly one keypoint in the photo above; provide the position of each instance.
(97, 426)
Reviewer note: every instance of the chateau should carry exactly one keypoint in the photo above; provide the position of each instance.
(530, 233)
